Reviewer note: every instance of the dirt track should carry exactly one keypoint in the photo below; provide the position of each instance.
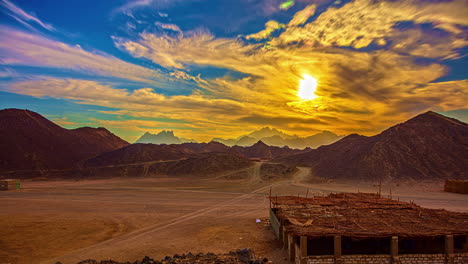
(126, 219)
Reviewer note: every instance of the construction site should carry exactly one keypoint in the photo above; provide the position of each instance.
(456, 186)
(353, 228)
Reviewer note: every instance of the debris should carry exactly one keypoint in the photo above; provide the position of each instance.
(244, 255)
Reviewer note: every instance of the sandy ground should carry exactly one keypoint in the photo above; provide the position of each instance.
(126, 219)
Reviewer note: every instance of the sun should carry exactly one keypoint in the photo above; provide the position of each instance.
(307, 87)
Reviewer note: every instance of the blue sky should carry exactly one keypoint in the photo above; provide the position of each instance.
(221, 68)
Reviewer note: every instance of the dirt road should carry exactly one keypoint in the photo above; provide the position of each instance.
(126, 219)
(134, 239)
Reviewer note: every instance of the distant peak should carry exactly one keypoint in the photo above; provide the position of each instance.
(215, 143)
(166, 132)
(267, 128)
(260, 143)
(429, 115)
(326, 132)
(352, 137)
(17, 111)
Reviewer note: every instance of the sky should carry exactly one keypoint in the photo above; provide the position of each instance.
(223, 68)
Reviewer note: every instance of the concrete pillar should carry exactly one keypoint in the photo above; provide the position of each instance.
(291, 248)
(465, 245)
(285, 238)
(394, 249)
(337, 249)
(449, 244)
(280, 233)
(303, 249)
(449, 258)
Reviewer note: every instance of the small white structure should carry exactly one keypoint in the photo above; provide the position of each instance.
(10, 184)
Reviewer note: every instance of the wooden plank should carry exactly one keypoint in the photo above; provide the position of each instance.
(291, 248)
(394, 249)
(303, 250)
(285, 238)
(337, 246)
(449, 244)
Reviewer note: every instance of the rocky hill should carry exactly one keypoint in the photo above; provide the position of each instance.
(138, 153)
(262, 150)
(29, 141)
(208, 164)
(427, 146)
(163, 137)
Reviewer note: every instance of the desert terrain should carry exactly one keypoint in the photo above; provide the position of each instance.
(125, 219)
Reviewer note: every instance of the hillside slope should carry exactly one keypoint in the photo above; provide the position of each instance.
(427, 146)
(29, 141)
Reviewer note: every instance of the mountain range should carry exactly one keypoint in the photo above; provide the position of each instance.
(33, 146)
(427, 146)
(163, 137)
(267, 135)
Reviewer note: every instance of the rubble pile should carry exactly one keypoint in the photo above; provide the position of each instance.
(238, 257)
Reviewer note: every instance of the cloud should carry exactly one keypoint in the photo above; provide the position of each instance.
(430, 43)
(143, 99)
(359, 90)
(64, 121)
(133, 5)
(21, 48)
(22, 16)
(270, 27)
(354, 86)
(174, 52)
(7, 72)
(302, 16)
(260, 119)
(192, 112)
(172, 27)
(361, 22)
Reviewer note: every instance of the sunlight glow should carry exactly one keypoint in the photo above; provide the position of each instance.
(307, 87)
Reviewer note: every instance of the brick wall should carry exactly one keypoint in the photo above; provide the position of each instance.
(371, 259)
(460, 258)
(320, 260)
(422, 259)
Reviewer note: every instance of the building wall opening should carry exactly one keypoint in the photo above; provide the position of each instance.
(365, 246)
(421, 245)
(460, 244)
(320, 245)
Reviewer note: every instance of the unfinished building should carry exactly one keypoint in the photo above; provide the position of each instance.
(456, 186)
(354, 228)
(10, 184)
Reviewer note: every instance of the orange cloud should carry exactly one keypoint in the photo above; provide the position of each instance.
(359, 90)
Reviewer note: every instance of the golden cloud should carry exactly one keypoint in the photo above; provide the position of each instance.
(270, 27)
(358, 91)
(361, 22)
